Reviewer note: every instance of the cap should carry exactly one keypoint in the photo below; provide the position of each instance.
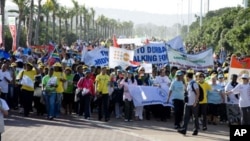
(57, 64)
(68, 68)
(179, 72)
(85, 67)
(13, 65)
(245, 76)
(87, 71)
(30, 64)
(220, 76)
(130, 72)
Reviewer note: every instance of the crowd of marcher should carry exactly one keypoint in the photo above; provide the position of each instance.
(70, 87)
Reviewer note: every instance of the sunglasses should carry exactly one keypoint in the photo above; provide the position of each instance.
(142, 70)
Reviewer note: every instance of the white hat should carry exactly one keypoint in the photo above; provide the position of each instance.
(245, 76)
(19, 60)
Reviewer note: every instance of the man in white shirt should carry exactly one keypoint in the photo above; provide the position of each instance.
(68, 61)
(191, 105)
(244, 98)
(232, 102)
(5, 79)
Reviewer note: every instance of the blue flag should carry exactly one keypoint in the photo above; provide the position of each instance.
(4, 54)
(177, 44)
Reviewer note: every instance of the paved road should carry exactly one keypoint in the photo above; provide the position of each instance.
(73, 128)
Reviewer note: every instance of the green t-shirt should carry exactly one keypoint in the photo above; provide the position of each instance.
(46, 82)
(70, 85)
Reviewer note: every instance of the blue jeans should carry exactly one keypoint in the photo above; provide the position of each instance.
(58, 103)
(50, 99)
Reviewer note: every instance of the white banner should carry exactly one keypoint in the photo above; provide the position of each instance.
(148, 95)
(96, 57)
(148, 67)
(120, 57)
(200, 61)
(136, 41)
(154, 53)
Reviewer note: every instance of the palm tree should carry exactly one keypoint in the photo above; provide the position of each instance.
(2, 14)
(39, 9)
(71, 14)
(54, 8)
(30, 28)
(76, 13)
(82, 10)
(67, 15)
(60, 14)
(45, 11)
(22, 11)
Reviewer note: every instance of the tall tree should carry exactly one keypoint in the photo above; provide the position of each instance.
(2, 14)
(76, 14)
(22, 11)
(30, 25)
(39, 9)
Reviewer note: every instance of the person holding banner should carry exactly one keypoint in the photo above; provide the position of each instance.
(163, 82)
(176, 93)
(142, 79)
(128, 80)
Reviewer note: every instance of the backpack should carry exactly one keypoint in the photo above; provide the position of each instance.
(201, 97)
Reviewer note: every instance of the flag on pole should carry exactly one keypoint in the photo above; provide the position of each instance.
(177, 44)
(115, 44)
(239, 67)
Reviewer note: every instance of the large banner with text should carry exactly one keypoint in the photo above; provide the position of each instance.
(120, 57)
(96, 57)
(154, 53)
(148, 95)
(200, 61)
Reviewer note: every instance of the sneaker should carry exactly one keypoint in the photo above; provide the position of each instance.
(130, 120)
(126, 120)
(195, 133)
(182, 131)
(176, 127)
(204, 128)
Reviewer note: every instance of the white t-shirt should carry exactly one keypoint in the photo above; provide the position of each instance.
(244, 97)
(191, 93)
(4, 105)
(230, 99)
(3, 83)
(68, 62)
(163, 81)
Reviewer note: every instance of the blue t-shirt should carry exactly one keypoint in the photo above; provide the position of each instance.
(214, 96)
(178, 89)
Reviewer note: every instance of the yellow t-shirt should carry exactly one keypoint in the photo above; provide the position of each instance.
(31, 74)
(102, 83)
(206, 87)
(59, 75)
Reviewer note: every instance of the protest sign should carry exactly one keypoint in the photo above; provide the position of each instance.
(120, 57)
(148, 95)
(154, 53)
(96, 57)
(200, 61)
(148, 67)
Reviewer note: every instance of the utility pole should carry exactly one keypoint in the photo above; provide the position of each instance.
(201, 13)
(245, 4)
